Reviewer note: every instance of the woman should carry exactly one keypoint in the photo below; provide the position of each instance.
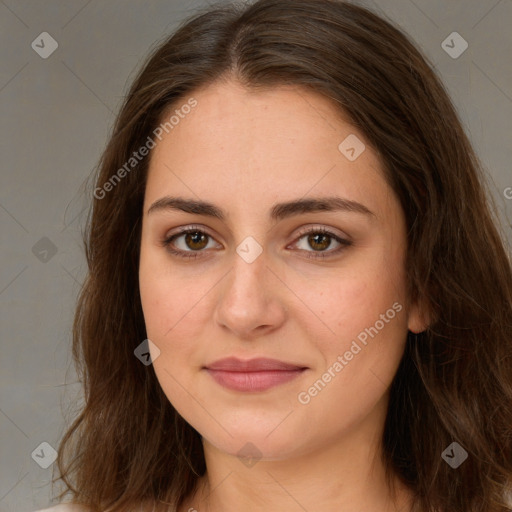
(298, 298)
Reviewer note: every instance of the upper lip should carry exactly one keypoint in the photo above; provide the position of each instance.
(234, 364)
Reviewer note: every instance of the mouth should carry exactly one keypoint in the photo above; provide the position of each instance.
(254, 375)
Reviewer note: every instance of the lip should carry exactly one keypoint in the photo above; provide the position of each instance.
(259, 364)
(253, 375)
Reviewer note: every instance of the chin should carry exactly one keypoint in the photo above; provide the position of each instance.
(256, 440)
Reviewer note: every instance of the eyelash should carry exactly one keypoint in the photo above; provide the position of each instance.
(166, 242)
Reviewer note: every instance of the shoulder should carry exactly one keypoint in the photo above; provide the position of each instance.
(64, 507)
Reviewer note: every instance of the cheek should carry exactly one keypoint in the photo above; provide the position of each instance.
(169, 311)
(346, 304)
(358, 367)
(155, 299)
(175, 308)
(364, 326)
(170, 303)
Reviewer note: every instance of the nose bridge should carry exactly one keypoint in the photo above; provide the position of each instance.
(247, 301)
(250, 258)
(247, 280)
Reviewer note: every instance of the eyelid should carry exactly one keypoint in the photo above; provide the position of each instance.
(183, 230)
(319, 228)
(342, 239)
(188, 228)
(303, 230)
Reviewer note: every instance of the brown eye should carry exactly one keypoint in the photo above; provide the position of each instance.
(188, 243)
(196, 240)
(320, 239)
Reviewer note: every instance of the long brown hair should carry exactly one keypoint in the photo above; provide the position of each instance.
(454, 383)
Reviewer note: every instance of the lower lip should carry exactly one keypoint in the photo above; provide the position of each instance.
(253, 381)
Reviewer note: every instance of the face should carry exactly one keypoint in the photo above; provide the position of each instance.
(318, 286)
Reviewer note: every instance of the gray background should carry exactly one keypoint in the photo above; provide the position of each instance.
(55, 117)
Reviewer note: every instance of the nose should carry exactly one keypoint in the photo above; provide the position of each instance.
(251, 299)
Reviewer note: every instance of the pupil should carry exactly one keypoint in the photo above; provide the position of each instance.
(313, 240)
(195, 238)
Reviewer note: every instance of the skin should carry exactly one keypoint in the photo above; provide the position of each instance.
(244, 151)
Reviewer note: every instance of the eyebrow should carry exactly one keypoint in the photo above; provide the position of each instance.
(278, 211)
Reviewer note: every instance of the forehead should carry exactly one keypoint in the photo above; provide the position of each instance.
(227, 111)
(257, 144)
